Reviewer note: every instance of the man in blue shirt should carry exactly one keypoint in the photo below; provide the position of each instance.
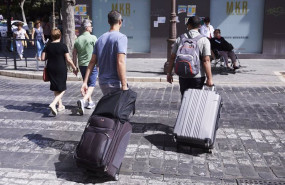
(110, 57)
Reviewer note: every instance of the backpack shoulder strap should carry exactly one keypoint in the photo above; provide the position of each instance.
(182, 36)
(188, 35)
(198, 37)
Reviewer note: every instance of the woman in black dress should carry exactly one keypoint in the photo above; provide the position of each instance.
(57, 55)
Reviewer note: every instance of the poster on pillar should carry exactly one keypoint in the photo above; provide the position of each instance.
(136, 21)
(240, 22)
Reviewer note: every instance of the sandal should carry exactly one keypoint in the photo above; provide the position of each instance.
(62, 108)
(53, 110)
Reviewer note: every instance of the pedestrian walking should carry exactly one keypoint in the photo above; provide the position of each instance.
(207, 29)
(83, 48)
(57, 56)
(37, 34)
(20, 33)
(203, 44)
(110, 56)
(46, 28)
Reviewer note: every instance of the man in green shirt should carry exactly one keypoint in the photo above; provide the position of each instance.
(83, 49)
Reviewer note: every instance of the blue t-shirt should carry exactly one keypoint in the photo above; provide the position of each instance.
(106, 49)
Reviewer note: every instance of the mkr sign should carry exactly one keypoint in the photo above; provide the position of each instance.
(239, 5)
(124, 8)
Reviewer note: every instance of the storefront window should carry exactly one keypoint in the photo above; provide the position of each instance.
(136, 25)
(241, 23)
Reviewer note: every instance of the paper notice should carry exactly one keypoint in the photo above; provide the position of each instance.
(161, 19)
(191, 10)
(182, 9)
(177, 19)
(155, 24)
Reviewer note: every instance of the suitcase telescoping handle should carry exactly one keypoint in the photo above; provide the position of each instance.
(213, 87)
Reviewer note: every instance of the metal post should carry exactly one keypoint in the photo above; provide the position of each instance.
(35, 41)
(14, 51)
(172, 33)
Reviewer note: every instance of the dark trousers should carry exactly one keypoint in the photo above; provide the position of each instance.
(191, 83)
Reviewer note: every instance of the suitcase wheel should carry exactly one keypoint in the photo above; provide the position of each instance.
(210, 151)
(116, 177)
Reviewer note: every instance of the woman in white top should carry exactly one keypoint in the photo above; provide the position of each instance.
(37, 33)
(207, 29)
(20, 33)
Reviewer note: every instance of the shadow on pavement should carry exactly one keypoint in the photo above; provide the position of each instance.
(65, 166)
(41, 108)
(166, 142)
(163, 138)
(32, 107)
(147, 72)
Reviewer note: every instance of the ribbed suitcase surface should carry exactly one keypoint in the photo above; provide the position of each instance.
(198, 116)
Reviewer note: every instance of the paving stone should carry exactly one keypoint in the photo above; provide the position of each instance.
(147, 176)
(266, 175)
(279, 172)
(273, 161)
(184, 169)
(200, 170)
(140, 166)
(36, 182)
(232, 170)
(248, 171)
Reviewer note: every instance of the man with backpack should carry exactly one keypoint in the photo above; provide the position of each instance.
(190, 58)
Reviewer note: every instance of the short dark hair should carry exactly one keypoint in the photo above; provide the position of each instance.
(217, 30)
(114, 17)
(207, 19)
(194, 21)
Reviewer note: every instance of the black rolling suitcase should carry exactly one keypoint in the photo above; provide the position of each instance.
(103, 145)
(198, 117)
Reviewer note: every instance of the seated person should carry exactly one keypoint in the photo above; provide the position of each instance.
(221, 47)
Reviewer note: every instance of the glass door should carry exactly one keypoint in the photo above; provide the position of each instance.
(240, 22)
(136, 25)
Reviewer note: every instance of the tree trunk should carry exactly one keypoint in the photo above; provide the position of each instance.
(23, 12)
(68, 24)
(9, 32)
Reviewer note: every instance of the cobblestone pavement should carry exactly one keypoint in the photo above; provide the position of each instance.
(37, 148)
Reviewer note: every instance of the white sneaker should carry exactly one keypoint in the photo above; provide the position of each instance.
(80, 104)
(91, 105)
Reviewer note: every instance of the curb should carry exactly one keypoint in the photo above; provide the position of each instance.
(71, 77)
(20, 74)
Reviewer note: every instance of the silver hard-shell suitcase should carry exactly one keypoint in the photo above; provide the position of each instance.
(198, 117)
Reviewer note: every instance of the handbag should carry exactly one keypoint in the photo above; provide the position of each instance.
(117, 105)
(45, 74)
